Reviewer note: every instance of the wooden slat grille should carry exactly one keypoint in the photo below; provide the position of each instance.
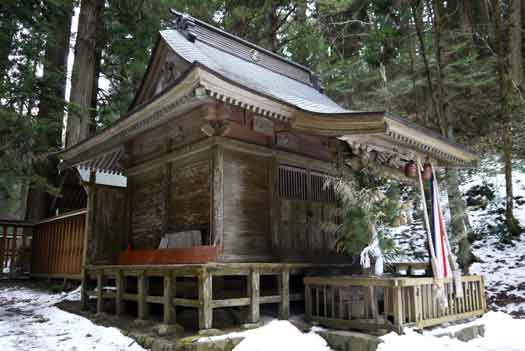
(58, 245)
(299, 184)
(322, 189)
(292, 183)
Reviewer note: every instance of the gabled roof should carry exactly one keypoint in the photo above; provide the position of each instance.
(248, 65)
(219, 66)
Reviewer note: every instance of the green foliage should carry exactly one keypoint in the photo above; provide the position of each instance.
(366, 200)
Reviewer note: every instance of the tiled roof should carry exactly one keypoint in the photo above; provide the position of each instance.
(231, 57)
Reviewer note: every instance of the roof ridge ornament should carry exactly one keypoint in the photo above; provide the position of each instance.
(184, 23)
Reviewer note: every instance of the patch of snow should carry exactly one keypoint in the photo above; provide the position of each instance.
(502, 333)
(30, 321)
(275, 336)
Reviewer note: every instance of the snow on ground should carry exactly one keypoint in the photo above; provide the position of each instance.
(502, 264)
(30, 321)
(502, 333)
(276, 336)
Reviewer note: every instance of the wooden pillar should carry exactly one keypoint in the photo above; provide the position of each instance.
(88, 236)
(3, 248)
(275, 204)
(169, 294)
(205, 300)
(254, 287)
(143, 290)
(284, 292)
(217, 202)
(398, 309)
(100, 288)
(482, 294)
(119, 282)
(13, 251)
(308, 302)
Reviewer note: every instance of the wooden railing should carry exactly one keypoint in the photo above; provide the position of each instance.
(58, 246)
(15, 246)
(388, 303)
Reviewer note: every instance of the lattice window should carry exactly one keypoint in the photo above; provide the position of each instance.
(321, 187)
(292, 183)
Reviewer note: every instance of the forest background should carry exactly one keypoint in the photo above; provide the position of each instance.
(455, 66)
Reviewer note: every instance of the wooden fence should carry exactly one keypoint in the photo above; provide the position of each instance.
(15, 246)
(58, 246)
(384, 304)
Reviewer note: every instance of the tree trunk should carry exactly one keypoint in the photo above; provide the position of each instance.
(51, 109)
(80, 124)
(442, 111)
(505, 87)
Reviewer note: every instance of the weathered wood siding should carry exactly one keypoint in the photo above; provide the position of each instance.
(307, 215)
(246, 207)
(147, 208)
(175, 134)
(109, 225)
(189, 203)
(305, 228)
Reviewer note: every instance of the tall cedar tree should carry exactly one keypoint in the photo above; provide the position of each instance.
(506, 90)
(51, 107)
(80, 124)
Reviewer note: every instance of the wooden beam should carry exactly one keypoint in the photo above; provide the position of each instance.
(88, 234)
(120, 285)
(205, 300)
(100, 288)
(218, 196)
(284, 291)
(169, 294)
(254, 293)
(142, 291)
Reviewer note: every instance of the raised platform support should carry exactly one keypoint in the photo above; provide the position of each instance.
(111, 284)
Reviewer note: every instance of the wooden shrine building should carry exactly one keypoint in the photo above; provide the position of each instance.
(227, 148)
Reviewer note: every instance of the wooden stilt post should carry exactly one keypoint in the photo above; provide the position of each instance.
(169, 294)
(254, 280)
(398, 309)
(143, 310)
(284, 291)
(308, 302)
(205, 300)
(119, 282)
(100, 290)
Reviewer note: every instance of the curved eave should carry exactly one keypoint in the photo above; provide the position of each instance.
(389, 128)
(427, 142)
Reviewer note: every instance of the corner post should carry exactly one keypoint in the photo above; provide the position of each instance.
(100, 291)
(398, 309)
(205, 300)
(169, 294)
(119, 282)
(88, 236)
(217, 211)
(284, 291)
(142, 291)
(254, 287)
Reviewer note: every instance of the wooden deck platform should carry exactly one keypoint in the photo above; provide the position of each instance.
(388, 303)
(192, 286)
